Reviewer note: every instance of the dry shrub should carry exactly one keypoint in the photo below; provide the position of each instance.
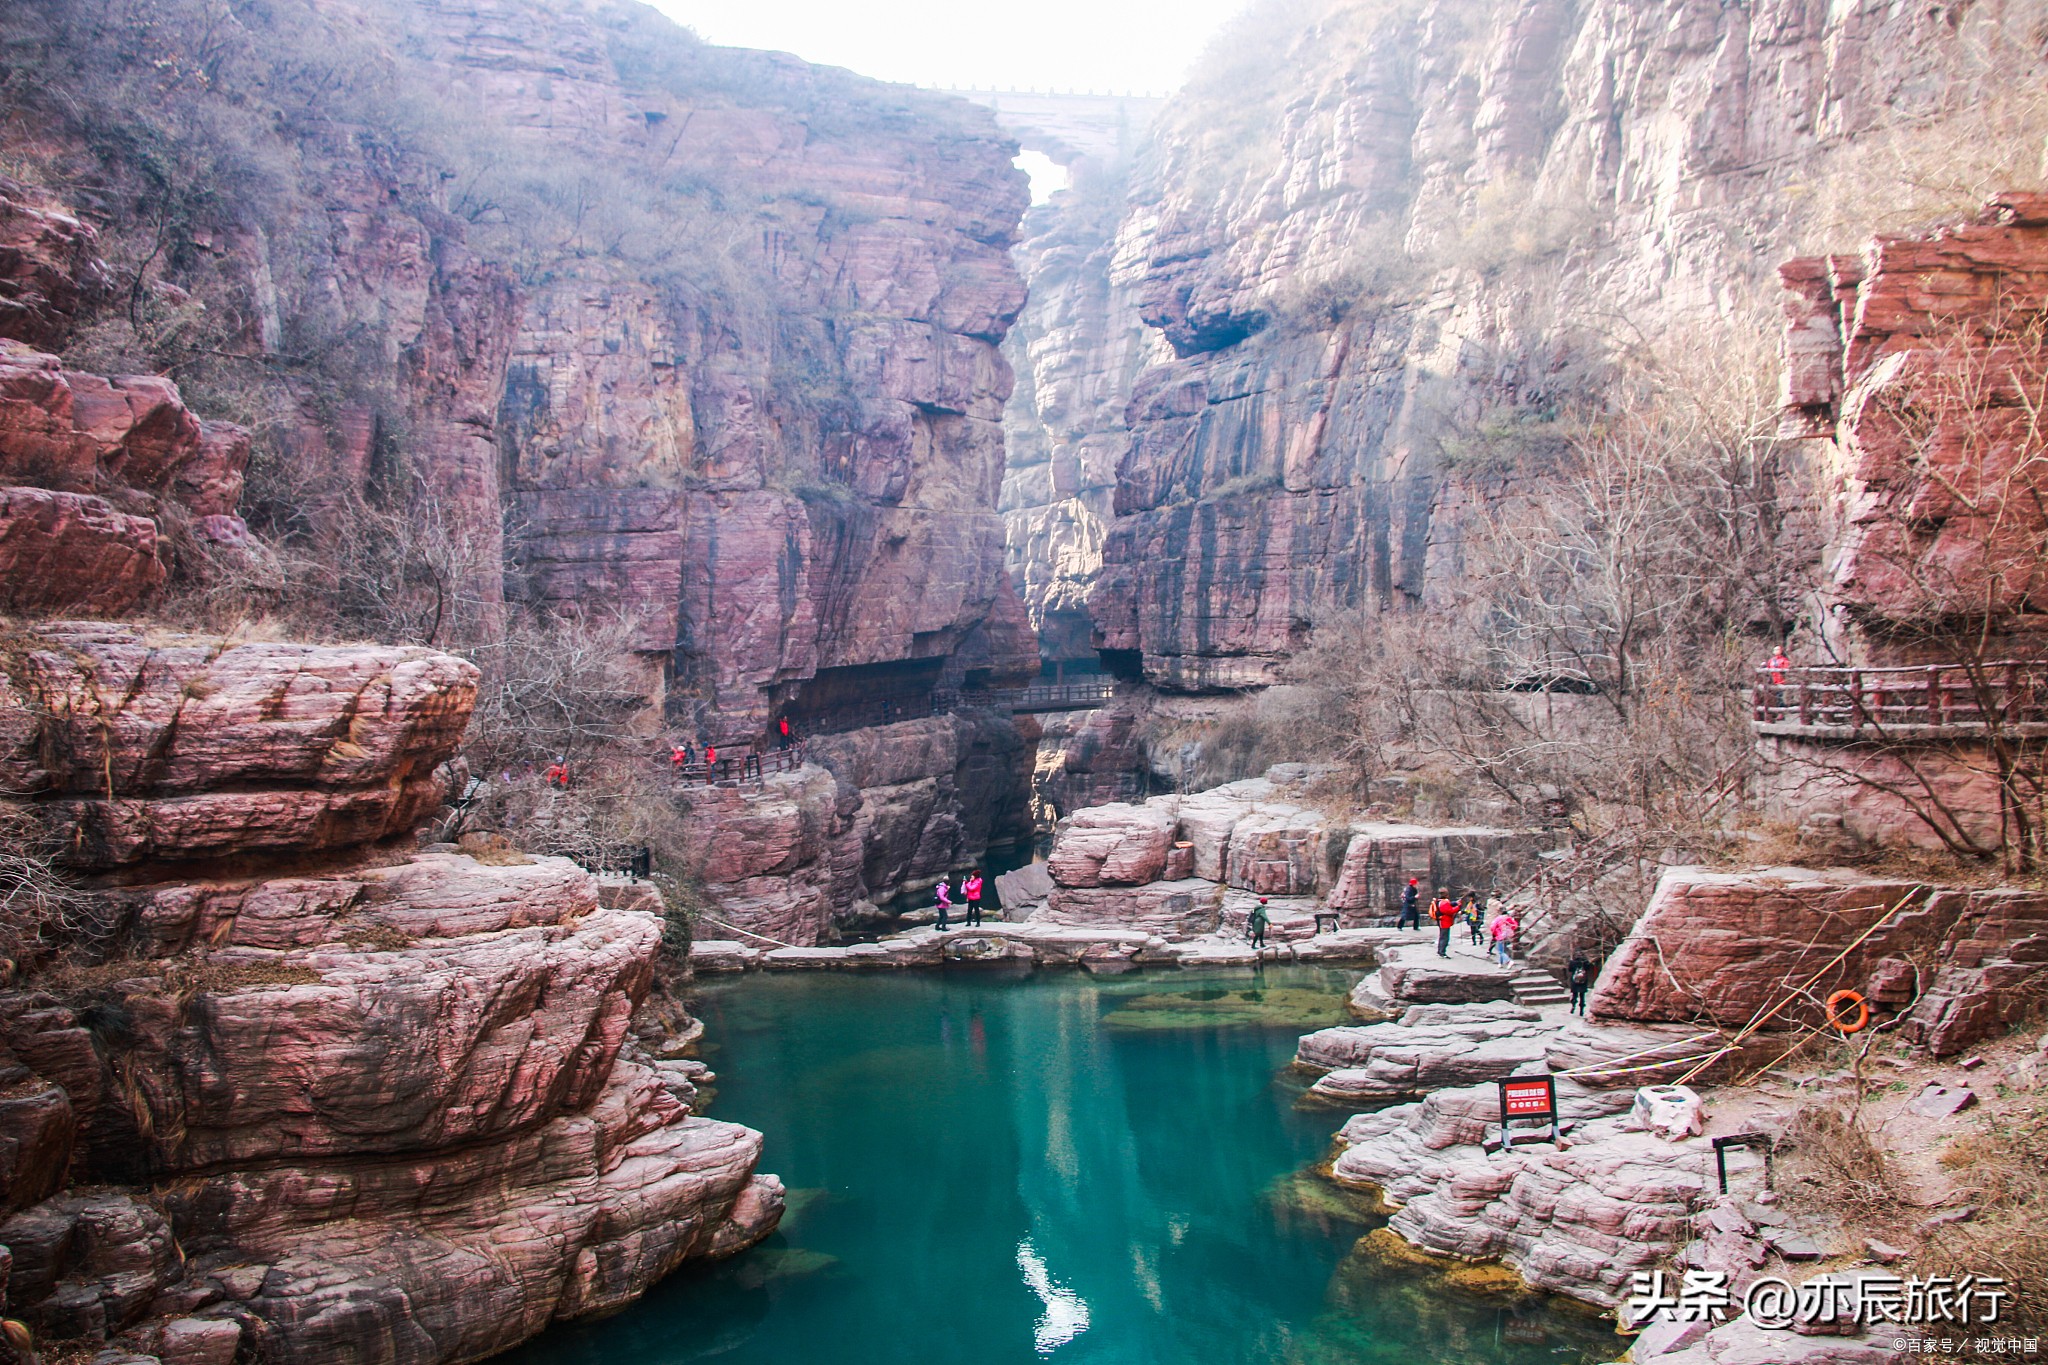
(2004, 1172)
(41, 906)
(1832, 1144)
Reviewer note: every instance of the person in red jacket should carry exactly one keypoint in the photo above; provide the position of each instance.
(1446, 917)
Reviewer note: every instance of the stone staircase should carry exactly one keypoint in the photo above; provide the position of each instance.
(1536, 988)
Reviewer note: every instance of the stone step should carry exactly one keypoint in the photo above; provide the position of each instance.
(1534, 987)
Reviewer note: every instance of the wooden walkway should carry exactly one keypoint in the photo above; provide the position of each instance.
(1933, 701)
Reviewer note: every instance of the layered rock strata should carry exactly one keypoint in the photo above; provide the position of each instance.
(740, 409)
(873, 815)
(390, 1105)
(1371, 239)
(94, 475)
(770, 496)
(1726, 947)
(1187, 865)
(1912, 366)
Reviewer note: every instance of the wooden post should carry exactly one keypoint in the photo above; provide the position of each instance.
(1805, 702)
(1934, 694)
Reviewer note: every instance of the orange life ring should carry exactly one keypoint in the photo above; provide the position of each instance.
(1838, 1020)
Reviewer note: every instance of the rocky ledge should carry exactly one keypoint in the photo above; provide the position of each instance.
(318, 1098)
(1959, 964)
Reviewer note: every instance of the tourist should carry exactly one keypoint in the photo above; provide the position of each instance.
(1410, 911)
(786, 735)
(678, 757)
(1505, 927)
(971, 888)
(557, 774)
(1446, 916)
(711, 758)
(1256, 924)
(1475, 920)
(945, 894)
(1578, 974)
(1778, 664)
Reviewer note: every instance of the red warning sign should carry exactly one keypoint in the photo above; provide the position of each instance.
(1527, 1097)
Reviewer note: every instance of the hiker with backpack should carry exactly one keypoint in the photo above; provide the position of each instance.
(1503, 931)
(1446, 916)
(1475, 919)
(945, 899)
(1578, 974)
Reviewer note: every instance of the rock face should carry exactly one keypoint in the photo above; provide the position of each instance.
(876, 813)
(1181, 865)
(1725, 947)
(1912, 365)
(139, 747)
(1077, 348)
(1577, 1221)
(91, 469)
(1941, 513)
(49, 268)
(391, 1104)
(1358, 244)
(745, 398)
(767, 495)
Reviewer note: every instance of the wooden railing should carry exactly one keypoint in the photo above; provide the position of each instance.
(1077, 696)
(740, 765)
(1909, 702)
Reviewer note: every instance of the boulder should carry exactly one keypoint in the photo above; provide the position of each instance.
(1279, 851)
(110, 559)
(1720, 946)
(1672, 1112)
(1114, 845)
(1412, 973)
(1380, 858)
(143, 747)
(1171, 909)
(83, 433)
(1432, 1047)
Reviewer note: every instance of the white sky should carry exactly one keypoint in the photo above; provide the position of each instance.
(1140, 46)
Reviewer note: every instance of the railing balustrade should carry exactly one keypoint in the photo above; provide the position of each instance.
(1904, 701)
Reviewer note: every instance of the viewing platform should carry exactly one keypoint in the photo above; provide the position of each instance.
(1913, 702)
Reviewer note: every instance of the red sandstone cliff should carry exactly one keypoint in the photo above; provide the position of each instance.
(388, 1104)
(701, 340)
(1365, 238)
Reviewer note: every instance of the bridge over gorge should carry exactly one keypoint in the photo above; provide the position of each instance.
(1070, 126)
(1914, 702)
(743, 763)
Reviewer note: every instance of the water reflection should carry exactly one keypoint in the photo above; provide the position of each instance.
(1065, 1316)
(992, 1170)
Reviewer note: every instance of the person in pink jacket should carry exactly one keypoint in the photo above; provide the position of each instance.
(1503, 930)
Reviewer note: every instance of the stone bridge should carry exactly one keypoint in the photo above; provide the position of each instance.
(1068, 127)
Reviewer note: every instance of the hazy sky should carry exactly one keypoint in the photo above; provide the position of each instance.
(1143, 46)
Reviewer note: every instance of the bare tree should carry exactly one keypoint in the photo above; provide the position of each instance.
(1934, 665)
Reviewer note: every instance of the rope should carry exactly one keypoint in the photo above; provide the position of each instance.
(1701, 1057)
(1631, 1056)
(1800, 991)
(748, 932)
